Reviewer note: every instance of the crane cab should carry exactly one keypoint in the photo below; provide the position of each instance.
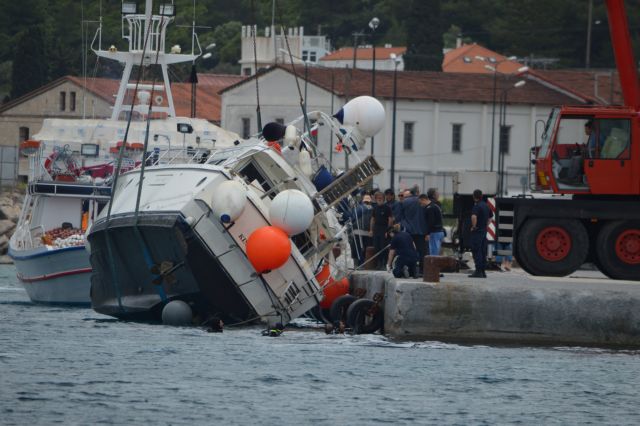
(587, 150)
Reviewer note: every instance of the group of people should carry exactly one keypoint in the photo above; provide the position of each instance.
(410, 227)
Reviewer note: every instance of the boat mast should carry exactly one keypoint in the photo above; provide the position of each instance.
(146, 36)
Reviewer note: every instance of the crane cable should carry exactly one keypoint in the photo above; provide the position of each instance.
(255, 64)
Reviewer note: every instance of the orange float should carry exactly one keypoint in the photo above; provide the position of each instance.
(324, 275)
(29, 147)
(268, 248)
(333, 290)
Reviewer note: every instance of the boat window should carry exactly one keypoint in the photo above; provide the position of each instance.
(251, 173)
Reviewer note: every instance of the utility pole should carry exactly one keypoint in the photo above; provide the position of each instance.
(355, 45)
(587, 60)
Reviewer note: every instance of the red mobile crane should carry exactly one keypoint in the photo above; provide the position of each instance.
(589, 165)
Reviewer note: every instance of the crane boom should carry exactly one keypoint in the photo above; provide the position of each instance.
(623, 51)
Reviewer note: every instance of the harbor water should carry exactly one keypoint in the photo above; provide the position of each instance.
(74, 366)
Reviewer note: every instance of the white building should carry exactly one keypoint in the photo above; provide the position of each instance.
(443, 122)
(271, 48)
(343, 58)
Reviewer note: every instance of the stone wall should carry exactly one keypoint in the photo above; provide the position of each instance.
(10, 206)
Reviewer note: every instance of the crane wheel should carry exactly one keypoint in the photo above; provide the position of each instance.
(619, 249)
(552, 247)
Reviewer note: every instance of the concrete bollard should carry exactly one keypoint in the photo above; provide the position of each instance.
(369, 262)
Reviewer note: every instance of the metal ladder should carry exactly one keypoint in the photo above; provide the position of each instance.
(355, 178)
(504, 225)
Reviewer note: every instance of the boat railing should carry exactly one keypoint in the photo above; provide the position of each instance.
(70, 189)
(179, 156)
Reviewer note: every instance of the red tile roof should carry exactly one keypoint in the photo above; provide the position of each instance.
(207, 99)
(363, 53)
(464, 59)
(425, 85)
(600, 87)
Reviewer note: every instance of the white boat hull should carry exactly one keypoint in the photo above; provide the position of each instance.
(60, 276)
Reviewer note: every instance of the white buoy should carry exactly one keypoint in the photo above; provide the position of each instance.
(292, 211)
(364, 113)
(176, 312)
(228, 201)
(291, 136)
(304, 161)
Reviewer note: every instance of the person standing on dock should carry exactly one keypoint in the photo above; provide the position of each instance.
(413, 221)
(433, 217)
(390, 200)
(480, 216)
(381, 220)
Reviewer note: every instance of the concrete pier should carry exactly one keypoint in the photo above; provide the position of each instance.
(510, 308)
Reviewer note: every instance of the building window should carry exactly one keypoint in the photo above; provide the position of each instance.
(72, 101)
(23, 133)
(246, 71)
(279, 121)
(246, 128)
(305, 55)
(63, 101)
(505, 138)
(456, 137)
(312, 56)
(407, 143)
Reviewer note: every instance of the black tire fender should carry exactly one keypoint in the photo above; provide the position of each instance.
(364, 316)
(339, 307)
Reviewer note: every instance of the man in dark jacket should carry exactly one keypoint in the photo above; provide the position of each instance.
(414, 223)
(403, 248)
(435, 229)
(480, 216)
(381, 220)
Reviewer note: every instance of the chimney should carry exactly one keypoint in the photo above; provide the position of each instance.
(458, 41)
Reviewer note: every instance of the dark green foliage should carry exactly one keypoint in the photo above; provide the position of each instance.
(538, 28)
(424, 36)
(29, 69)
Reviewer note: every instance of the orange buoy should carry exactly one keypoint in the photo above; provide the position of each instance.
(268, 248)
(29, 147)
(324, 275)
(333, 290)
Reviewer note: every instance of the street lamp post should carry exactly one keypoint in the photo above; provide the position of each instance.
(193, 78)
(396, 62)
(494, 69)
(373, 24)
(502, 135)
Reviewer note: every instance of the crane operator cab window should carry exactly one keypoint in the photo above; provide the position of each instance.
(583, 139)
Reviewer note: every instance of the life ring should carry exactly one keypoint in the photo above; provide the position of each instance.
(72, 171)
(365, 317)
(29, 147)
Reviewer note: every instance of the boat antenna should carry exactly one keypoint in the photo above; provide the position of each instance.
(146, 140)
(255, 64)
(303, 103)
(126, 133)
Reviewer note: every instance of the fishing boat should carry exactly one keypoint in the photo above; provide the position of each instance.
(245, 236)
(73, 162)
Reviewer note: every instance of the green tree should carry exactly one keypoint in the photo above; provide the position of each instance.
(29, 70)
(424, 36)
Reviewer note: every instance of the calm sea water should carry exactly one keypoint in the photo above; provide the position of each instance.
(74, 366)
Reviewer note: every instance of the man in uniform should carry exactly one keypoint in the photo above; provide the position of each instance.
(402, 246)
(480, 216)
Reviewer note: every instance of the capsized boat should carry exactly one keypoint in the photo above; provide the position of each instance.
(242, 237)
(72, 163)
